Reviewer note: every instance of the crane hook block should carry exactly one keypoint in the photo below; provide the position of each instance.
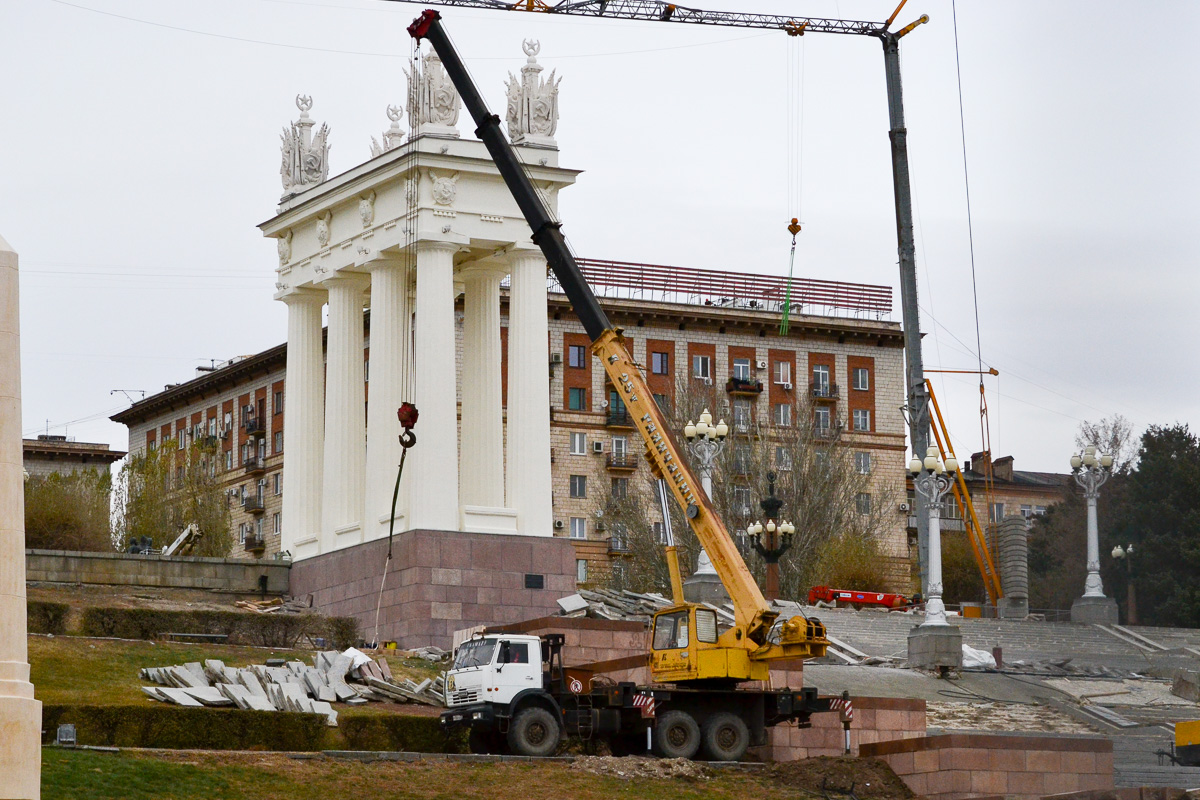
(794, 228)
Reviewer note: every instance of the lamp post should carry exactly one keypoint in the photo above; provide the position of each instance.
(705, 442)
(1126, 555)
(933, 479)
(1092, 469)
(771, 539)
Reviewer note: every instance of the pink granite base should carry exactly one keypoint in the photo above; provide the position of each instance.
(438, 582)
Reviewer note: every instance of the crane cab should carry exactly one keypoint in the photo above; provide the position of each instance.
(686, 645)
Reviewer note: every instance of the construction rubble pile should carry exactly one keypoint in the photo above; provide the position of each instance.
(631, 606)
(350, 677)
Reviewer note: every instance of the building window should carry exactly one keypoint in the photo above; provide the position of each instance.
(660, 363)
(862, 378)
(180, 439)
(863, 502)
(579, 486)
(1039, 511)
(228, 459)
(242, 533)
(578, 527)
(258, 530)
(862, 463)
(997, 512)
(782, 372)
(781, 414)
(862, 419)
(151, 445)
(822, 420)
(741, 459)
(656, 530)
(702, 367)
(578, 444)
(1026, 511)
(577, 399)
(620, 447)
(820, 380)
(741, 369)
(278, 483)
(663, 402)
(783, 459)
(278, 441)
(741, 501)
(620, 488)
(278, 404)
(581, 570)
(577, 356)
(277, 522)
(742, 413)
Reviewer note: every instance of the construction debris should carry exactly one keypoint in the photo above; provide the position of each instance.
(630, 767)
(291, 685)
(292, 605)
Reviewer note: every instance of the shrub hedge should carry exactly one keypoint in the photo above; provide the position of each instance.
(395, 732)
(176, 727)
(266, 630)
(43, 617)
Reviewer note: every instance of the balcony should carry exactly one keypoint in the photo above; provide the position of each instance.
(618, 419)
(744, 386)
(255, 426)
(825, 391)
(254, 465)
(255, 544)
(253, 504)
(825, 433)
(208, 441)
(618, 546)
(620, 461)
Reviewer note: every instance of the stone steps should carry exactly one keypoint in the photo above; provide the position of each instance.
(1177, 777)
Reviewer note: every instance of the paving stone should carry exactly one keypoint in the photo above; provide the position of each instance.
(180, 697)
(210, 696)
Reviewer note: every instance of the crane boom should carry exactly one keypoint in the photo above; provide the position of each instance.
(754, 618)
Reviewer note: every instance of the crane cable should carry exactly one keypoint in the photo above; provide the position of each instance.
(795, 158)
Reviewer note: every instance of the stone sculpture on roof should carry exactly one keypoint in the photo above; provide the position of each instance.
(433, 102)
(532, 102)
(393, 137)
(305, 161)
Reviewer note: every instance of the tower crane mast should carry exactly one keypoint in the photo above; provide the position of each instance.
(917, 400)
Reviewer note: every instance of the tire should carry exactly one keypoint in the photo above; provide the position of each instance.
(486, 742)
(725, 738)
(676, 735)
(534, 732)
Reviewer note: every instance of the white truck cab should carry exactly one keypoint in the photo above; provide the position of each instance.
(494, 669)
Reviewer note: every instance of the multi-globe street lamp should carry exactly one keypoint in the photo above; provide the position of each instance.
(933, 478)
(1126, 554)
(705, 442)
(771, 539)
(1091, 469)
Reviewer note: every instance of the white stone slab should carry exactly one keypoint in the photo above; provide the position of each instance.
(180, 697)
(210, 696)
(572, 602)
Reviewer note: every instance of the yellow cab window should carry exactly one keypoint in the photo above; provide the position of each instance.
(671, 631)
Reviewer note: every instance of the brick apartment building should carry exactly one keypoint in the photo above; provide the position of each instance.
(49, 454)
(841, 355)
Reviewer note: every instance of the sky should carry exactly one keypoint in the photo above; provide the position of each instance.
(140, 143)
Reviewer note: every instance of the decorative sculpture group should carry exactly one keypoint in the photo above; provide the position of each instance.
(433, 106)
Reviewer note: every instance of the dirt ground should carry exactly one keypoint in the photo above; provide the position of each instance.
(631, 767)
(867, 778)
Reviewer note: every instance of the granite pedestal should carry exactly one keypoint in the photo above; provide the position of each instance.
(934, 647)
(1094, 611)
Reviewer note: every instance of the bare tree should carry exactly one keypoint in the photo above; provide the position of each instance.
(840, 513)
(1113, 435)
(68, 512)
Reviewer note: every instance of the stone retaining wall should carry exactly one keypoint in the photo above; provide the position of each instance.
(876, 719)
(176, 572)
(1015, 766)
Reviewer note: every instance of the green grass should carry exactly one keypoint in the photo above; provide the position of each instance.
(79, 671)
(242, 776)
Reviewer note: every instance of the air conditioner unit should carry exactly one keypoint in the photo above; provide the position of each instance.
(707, 381)
(597, 447)
(787, 386)
(558, 525)
(762, 364)
(905, 507)
(604, 404)
(556, 358)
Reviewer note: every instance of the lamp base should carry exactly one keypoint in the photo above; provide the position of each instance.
(1094, 611)
(705, 587)
(935, 647)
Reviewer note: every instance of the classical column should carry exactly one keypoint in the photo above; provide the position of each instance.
(529, 397)
(304, 426)
(434, 503)
(20, 714)
(345, 415)
(481, 466)
(390, 313)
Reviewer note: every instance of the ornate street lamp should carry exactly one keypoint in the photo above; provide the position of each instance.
(771, 539)
(705, 442)
(1091, 470)
(1126, 555)
(933, 479)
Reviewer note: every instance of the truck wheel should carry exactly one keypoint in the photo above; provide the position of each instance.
(533, 732)
(677, 735)
(726, 737)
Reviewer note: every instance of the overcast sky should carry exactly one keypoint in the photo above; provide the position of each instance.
(140, 148)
